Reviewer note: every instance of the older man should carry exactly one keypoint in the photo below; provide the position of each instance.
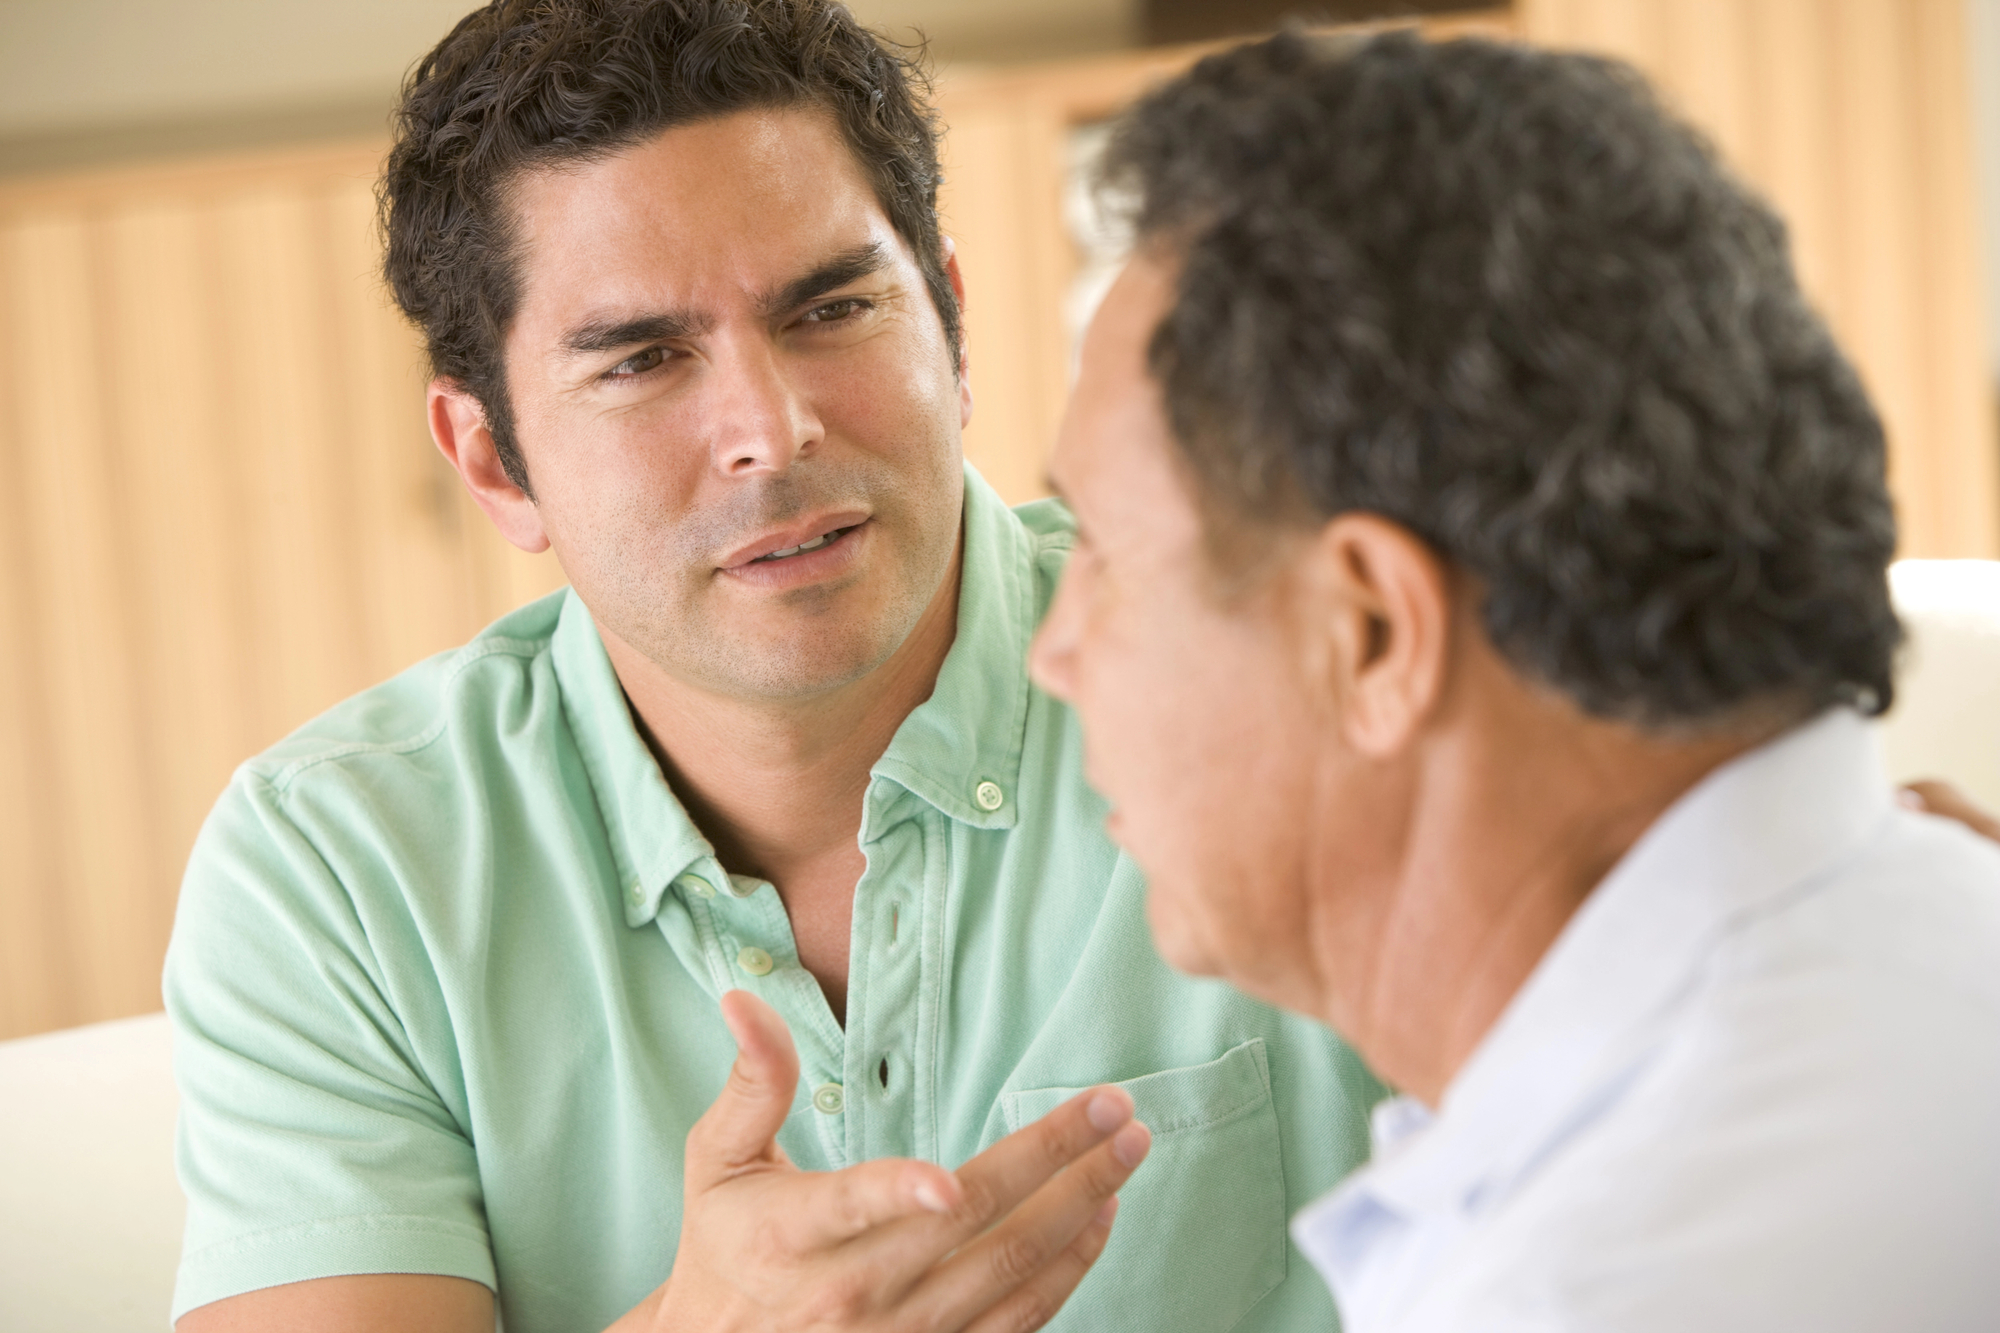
(1478, 591)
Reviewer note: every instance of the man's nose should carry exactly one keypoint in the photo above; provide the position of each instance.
(762, 419)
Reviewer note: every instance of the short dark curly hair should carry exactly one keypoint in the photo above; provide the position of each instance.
(1500, 297)
(524, 85)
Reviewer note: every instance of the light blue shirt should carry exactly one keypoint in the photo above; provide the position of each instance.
(1754, 1085)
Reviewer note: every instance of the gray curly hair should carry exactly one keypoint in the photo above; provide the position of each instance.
(1500, 297)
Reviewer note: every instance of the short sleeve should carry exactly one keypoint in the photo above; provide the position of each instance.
(313, 1141)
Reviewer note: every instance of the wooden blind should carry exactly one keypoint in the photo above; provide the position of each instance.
(222, 515)
(1854, 117)
(1006, 164)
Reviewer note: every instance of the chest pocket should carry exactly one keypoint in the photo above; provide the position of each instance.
(1200, 1233)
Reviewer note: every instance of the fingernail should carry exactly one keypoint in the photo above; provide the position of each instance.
(1109, 1109)
(1107, 1212)
(1911, 800)
(929, 1196)
(1130, 1144)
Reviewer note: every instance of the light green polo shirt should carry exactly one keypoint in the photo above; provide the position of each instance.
(445, 973)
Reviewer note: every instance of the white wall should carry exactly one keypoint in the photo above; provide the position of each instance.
(84, 80)
(67, 64)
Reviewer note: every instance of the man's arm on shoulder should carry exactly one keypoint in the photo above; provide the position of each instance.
(1934, 796)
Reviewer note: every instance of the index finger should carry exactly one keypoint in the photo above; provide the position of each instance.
(995, 1189)
(830, 1207)
(992, 1184)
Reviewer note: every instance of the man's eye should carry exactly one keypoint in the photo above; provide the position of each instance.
(650, 359)
(833, 312)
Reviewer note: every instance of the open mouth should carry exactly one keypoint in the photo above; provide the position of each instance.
(824, 539)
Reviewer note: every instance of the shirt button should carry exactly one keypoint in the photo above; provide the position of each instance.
(636, 892)
(698, 886)
(828, 1099)
(753, 960)
(989, 796)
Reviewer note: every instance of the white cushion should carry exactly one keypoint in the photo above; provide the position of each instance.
(90, 1212)
(1946, 721)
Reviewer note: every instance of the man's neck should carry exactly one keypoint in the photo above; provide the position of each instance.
(778, 784)
(1509, 822)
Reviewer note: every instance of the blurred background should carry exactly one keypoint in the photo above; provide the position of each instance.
(221, 512)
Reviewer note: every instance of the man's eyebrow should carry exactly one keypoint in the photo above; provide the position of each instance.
(595, 336)
(610, 334)
(838, 271)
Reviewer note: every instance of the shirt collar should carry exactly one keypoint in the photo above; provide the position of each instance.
(652, 839)
(965, 737)
(1756, 832)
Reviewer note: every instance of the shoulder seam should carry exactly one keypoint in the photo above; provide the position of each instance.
(280, 781)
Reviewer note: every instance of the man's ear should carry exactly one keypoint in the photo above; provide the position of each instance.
(964, 355)
(458, 427)
(1379, 618)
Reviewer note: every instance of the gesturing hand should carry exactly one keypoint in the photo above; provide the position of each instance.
(893, 1244)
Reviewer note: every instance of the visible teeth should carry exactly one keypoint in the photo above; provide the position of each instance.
(812, 545)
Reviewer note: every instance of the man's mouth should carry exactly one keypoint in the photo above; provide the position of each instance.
(824, 539)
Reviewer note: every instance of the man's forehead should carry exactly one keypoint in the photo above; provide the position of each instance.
(689, 174)
(1114, 381)
(685, 222)
(1116, 462)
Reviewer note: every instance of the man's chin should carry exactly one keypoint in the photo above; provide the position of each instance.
(795, 663)
(804, 679)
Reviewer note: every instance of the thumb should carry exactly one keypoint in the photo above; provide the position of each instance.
(741, 1127)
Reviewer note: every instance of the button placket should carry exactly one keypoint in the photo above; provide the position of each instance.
(885, 984)
(756, 951)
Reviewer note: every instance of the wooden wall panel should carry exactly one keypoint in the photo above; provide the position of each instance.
(417, 539)
(1854, 119)
(1960, 479)
(1001, 206)
(1006, 161)
(83, 633)
(226, 517)
(37, 987)
(197, 687)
